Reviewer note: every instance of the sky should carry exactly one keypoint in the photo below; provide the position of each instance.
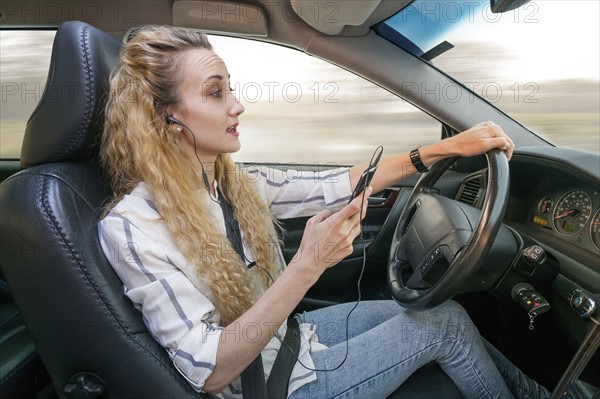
(549, 39)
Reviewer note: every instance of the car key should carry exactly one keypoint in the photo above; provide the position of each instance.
(532, 301)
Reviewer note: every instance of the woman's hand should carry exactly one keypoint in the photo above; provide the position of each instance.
(480, 139)
(328, 236)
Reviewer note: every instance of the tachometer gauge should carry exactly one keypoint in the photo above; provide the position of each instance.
(595, 230)
(572, 212)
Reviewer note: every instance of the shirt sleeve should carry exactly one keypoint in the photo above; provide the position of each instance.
(176, 313)
(291, 193)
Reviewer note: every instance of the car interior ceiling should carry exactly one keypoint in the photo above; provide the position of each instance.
(37, 208)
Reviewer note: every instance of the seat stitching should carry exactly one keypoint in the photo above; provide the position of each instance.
(51, 218)
(83, 40)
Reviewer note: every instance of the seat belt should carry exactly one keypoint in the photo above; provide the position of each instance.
(253, 377)
(253, 380)
(278, 382)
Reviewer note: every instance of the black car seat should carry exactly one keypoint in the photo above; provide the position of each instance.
(89, 336)
(91, 339)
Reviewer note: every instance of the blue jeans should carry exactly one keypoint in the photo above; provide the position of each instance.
(387, 343)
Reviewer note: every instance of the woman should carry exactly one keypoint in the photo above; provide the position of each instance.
(214, 301)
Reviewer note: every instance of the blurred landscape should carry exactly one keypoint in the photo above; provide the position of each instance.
(307, 128)
(565, 112)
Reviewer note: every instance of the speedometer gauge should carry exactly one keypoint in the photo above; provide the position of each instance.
(595, 230)
(572, 212)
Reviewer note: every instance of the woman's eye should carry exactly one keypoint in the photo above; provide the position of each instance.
(219, 92)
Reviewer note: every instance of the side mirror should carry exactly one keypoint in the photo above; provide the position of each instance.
(500, 6)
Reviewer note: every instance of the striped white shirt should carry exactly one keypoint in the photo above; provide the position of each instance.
(177, 307)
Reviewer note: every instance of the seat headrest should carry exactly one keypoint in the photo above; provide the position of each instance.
(69, 117)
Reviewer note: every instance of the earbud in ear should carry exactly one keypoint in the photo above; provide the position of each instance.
(171, 120)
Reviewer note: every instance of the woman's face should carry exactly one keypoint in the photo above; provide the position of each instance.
(207, 106)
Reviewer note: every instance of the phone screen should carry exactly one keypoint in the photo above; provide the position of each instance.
(367, 175)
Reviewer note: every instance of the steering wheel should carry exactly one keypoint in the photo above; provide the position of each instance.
(439, 243)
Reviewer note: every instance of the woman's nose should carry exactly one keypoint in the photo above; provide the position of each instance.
(237, 108)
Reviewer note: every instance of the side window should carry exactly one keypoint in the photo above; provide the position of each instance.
(300, 109)
(24, 61)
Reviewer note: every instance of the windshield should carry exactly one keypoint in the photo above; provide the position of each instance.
(539, 63)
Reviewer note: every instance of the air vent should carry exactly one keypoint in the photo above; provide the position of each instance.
(471, 191)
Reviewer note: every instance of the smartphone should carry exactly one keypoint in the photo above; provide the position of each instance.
(367, 175)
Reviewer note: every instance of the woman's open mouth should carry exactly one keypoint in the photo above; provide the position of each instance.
(233, 129)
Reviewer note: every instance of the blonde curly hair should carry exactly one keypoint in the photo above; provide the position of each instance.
(138, 146)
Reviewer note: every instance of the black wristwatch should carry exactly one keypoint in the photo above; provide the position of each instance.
(415, 159)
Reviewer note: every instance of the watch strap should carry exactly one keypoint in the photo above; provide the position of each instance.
(415, 159)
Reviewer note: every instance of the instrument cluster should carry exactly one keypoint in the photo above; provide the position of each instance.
(573, 214)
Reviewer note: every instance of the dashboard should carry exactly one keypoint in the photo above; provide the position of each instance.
(555, 198)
